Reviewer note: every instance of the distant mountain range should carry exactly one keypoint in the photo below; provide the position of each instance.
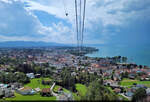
(29, 44)
(38, 44)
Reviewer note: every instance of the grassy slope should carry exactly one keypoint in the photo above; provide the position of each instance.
(33, 84)
(30, 97)
(81, 90)
(124, 98)
(128, 82)
(74, 94)
(2, 100)
(112, 92)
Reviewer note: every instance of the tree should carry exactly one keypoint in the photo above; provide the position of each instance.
(124, 75)
(22, 78)
(68, 81)
(124, 59)
(139, 95)
(140, 66)
(117, 59)
(38, 69)
(98, 92)
(14, 77)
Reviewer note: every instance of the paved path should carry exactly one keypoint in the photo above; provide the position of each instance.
(58, 96)
(53, 93)
(125, 96)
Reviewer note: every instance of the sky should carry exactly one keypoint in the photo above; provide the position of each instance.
(106, 22)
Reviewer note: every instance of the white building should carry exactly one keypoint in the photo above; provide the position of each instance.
(30, 75)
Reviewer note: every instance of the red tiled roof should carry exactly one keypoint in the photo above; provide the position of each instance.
(46, 90)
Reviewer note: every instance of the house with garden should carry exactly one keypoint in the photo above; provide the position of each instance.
(1, 93)
(26, 91)
(45, 92)
(6, 93)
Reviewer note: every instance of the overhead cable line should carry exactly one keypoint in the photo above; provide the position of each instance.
(80, 23)
(77, 30)
(83, 23)
(80, 26)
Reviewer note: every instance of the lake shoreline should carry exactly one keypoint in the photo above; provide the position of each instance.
(134, 55)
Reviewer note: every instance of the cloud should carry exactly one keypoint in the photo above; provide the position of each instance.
(14, 20)
(17, 22)
(104, 19)
(7, 1)
(136, 5)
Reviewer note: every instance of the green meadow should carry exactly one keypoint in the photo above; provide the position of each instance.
(34, 83)
(35, 97)
(129, 82)
(81, 89)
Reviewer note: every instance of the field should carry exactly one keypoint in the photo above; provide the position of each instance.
(120, 96)
(56, 88)
(30, 98)
(124, 98)
(37, 83)
(129, 82)
(74, 94)
(82, 89)
(33, 84)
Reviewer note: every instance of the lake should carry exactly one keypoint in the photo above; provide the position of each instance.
(135, 54)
